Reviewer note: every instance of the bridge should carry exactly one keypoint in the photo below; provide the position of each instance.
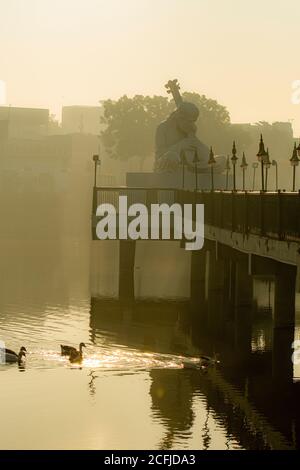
(247, 234)
(275, 215)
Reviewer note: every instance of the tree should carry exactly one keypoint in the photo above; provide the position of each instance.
(214, 126)
(131, 124)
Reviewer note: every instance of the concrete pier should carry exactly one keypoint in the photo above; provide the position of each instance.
(284, 305)
(126, 270)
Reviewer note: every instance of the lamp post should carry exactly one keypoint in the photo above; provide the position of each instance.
(227, 168)
(234, 159)
(244, 165)
(254, 166)
(183, 162)
(195, 161)
(267, 164)
(298, 150)
(211, 162)
(97, 162)
(294, 162)
(261, 154)
(274, 163)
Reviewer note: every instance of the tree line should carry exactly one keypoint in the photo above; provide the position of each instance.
(129, 126)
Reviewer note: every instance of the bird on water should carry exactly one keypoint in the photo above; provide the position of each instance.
(202, 363)
(75, 356)
(68, 350)
(11, 356)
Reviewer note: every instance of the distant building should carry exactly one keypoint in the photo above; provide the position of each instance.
(46, 185)
(278, 137)
(81, 119)
(23, 123)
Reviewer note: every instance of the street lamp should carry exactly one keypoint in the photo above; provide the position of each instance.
(267, 164)
(195, 161)
(254, 166)
(244, 165)
(294, 162)
(183, 163)
(234, 159)
(260, 156)
(212, 162)
(298, 149)
(97, 162)
(274, 163)
(227, 168)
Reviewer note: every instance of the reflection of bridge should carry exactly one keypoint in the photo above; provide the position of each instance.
(239, 402)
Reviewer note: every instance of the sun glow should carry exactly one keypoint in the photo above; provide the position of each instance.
(77, 52)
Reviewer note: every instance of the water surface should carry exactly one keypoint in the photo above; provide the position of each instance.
(131, 391)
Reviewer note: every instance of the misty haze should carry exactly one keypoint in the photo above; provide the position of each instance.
(137, 342)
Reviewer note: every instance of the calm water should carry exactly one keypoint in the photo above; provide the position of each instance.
(131, 390)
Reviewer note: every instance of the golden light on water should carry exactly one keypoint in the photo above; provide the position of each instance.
(91, 362)
(117, 359)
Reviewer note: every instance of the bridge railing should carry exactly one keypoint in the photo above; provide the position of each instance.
(272, 214)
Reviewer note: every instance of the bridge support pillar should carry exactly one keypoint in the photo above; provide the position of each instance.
(216, 273)
(126, 270)
(243, 304)
(228, 288)
(215, 291)
(284, 302)
(298, 278)
(198, 281)
(244, 283)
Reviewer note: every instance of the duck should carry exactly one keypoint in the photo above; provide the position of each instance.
(207, 361)
(68, 350)
(76, 356)
(202, 363)
(12, 356)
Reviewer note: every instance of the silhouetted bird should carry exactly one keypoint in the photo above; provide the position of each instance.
(68, 350)
(202, 363)
(76, 357)
(11, 356)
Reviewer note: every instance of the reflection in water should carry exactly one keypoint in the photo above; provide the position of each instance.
(131, 390)
(172, 394)
(92, 383)
(206, 432)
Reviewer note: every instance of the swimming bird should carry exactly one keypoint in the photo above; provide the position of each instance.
(76, 356)
(206, 361)
(11, 356)
(202, 363)
(68, 350)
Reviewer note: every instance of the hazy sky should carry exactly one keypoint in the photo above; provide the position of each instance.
(244, 53)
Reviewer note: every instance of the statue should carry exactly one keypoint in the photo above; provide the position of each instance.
(176, 140)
